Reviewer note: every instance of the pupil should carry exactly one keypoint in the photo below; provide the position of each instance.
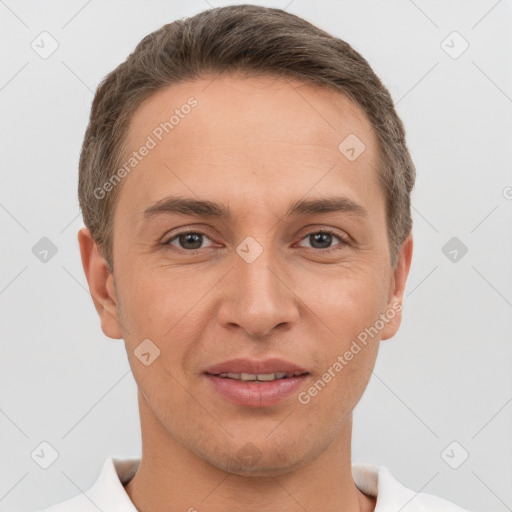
(194, 238)
(325, 238)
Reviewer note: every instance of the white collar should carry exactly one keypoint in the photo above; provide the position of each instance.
(108, 494)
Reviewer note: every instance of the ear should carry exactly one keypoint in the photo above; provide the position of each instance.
(397, 288)
(101, 284)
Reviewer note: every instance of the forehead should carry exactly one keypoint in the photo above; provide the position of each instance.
(307, 113)
(257, 137)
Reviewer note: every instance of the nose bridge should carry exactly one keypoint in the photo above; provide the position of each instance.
(258, 276)
(259, 298)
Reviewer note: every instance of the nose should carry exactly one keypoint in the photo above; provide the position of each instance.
(258, 297)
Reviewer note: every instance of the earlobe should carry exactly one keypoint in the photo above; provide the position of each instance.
(101, 284)
(394, 305)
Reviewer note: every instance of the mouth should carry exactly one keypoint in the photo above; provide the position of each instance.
(258, 377)
(245, 369)
(256, 383)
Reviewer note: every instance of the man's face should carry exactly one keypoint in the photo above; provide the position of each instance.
(260, 284)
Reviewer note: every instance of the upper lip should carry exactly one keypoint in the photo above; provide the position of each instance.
(252, 366)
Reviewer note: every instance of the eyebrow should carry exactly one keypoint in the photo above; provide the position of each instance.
(210, 209)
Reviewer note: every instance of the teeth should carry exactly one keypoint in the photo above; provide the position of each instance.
(253, 376)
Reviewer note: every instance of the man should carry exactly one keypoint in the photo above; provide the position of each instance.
(272, 149)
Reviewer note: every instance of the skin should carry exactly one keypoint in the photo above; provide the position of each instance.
(257, 145)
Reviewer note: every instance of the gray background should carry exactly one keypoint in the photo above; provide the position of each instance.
(445, 377)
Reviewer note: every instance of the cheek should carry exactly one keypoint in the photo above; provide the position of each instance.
(348, 307)
(349, 299)
(157, 299)
(166, 308)
(347, 353)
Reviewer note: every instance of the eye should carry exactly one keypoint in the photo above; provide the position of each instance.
(192, 241)
(188, 241)
(323, 238)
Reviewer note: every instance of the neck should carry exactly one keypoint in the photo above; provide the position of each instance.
(172, 477)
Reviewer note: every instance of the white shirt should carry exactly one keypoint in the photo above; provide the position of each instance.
(108, 495)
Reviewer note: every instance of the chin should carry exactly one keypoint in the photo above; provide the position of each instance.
(267, 466)
(267, 460)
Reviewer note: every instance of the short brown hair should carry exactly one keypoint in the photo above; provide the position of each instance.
(251, 39)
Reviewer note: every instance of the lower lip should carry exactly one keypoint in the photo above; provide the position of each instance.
(256, 393)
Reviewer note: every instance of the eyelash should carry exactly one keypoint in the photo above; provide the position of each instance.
(343, 239)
